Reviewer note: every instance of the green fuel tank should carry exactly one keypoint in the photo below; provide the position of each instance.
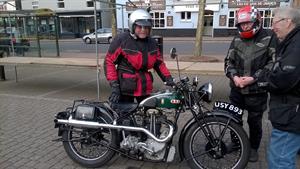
(169, 100)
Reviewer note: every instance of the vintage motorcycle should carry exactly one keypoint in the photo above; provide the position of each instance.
(92, 132)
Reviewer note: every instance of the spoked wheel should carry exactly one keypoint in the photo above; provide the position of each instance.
(220, 153)
(90, 147)
(5, 53)
(88, 41)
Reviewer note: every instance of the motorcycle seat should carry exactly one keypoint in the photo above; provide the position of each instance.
(124, 107)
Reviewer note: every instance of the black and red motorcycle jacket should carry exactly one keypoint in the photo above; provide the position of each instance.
(128, 62)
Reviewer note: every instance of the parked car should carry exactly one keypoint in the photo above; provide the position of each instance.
(104, 35)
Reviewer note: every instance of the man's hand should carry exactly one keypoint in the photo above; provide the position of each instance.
(170, 82)
(246, 80)
(237, 81)
(115, 93)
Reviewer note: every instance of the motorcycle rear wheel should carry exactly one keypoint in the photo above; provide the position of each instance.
(89, 147)
(201, 154)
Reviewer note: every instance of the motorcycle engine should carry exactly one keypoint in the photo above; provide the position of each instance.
(151, 149)
(154, 150)
(153, 120)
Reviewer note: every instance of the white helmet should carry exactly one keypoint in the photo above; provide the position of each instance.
(139, 17)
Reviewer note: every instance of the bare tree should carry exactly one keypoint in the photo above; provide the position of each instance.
(18, 4)
(199, 33)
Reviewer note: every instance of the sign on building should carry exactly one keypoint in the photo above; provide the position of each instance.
(256, 3)
(154, 4)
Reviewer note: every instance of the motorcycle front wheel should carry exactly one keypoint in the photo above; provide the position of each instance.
(90, 147)
(202, 154)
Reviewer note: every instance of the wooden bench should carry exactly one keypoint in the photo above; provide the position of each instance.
(73, 62)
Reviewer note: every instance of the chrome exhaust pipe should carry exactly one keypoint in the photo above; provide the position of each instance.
(90, 124)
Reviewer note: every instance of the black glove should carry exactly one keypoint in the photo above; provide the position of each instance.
(115, 92)
(170, 81)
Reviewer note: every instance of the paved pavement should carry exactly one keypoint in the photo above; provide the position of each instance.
(27, 109)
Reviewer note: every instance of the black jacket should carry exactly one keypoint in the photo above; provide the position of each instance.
(283, 82)
(247, 57)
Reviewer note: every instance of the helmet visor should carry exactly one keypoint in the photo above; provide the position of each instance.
(144, 22)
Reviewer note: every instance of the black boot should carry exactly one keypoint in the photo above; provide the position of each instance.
(253, 155)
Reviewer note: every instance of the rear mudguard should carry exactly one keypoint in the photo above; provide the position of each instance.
(219, 113)
(102, 107)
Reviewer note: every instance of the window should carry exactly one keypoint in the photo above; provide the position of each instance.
(35, 4)
(231, 19)
(89, 3)
(267, 18)
(185, 16)
(60, 4)
(158, 19)
(266, 15)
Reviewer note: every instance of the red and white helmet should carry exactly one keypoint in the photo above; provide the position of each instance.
(248, 14)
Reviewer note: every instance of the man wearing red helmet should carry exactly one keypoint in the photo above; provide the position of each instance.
(249, 53)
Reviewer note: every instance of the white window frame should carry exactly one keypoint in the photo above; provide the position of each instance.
(61, 2)
(88, 1)
(35, 4)
(231, 18)
(185, 18)
(264, 18)
(160, 21)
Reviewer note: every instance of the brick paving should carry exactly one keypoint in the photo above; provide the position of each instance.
(27, 109)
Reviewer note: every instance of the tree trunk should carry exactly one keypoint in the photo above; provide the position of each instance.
(112, 6)
(199, 33)
(18, 4)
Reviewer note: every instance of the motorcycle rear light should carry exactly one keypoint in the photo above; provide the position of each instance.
(84, 112)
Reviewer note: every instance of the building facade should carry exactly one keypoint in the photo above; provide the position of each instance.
(224, 19)
(180, 17)
(170, 17)
(76, 17)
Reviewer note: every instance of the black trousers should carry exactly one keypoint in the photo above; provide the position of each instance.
(131, 99)
(255, 104)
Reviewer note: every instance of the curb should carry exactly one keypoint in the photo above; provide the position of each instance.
(200, 72)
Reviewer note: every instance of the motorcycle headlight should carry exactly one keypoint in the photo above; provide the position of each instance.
(84, 112)
(206, 92)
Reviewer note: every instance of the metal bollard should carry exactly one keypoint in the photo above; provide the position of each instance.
(2, 72)
(159, 40)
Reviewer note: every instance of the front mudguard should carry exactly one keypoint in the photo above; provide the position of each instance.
(219, 113)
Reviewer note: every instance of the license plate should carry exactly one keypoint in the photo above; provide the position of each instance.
(228, 107)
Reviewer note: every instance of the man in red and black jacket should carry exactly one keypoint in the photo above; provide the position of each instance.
(129, 58)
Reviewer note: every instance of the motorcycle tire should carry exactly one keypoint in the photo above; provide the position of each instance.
(78, 140)
(221, 156)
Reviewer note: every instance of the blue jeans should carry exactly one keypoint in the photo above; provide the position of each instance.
(283, 149)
